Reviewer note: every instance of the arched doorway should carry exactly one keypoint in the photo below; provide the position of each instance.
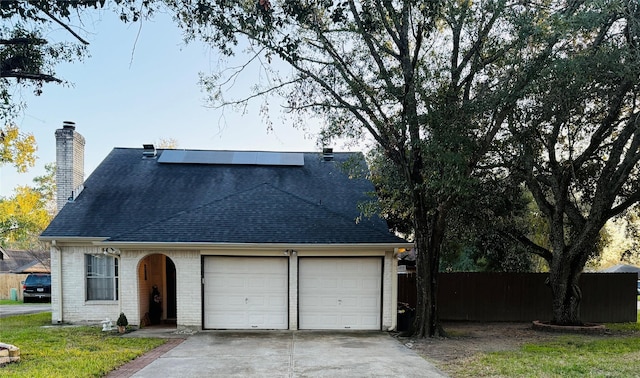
(157, 290)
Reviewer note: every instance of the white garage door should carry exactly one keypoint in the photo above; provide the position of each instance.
(245, 293)
(339, 293)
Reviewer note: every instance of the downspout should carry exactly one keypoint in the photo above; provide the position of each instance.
(394, 290)
(119, 285)
(58, 252)
(115, 252)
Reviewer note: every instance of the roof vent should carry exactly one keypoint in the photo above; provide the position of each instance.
(327, 154)
(149, 151)
(69, 125)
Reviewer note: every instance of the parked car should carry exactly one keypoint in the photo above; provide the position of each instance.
(37, 286)
(638, 287)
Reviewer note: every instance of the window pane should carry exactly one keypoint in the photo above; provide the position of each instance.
(101, 277)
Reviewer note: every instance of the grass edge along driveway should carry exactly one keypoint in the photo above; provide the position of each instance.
(61, 351)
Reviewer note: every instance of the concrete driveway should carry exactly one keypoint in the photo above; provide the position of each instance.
(289, 354)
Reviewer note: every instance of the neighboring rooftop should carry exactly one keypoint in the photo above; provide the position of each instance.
(18, 261)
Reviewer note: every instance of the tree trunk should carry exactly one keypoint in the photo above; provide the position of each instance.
(566, 295)
(429, 232)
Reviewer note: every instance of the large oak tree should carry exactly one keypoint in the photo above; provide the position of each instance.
(577, 138)
(434, 83)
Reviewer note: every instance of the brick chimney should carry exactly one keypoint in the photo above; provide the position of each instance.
(69, 163)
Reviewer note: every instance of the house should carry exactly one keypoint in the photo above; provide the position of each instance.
(219, 240)
(622, 268)
(14, 261)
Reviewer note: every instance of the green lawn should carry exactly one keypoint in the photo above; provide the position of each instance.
(61, 351)
(568, 356)
(614, 355)
(9, 302)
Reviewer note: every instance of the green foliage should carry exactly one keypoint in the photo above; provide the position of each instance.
(122, 320)
(432, 83)
(479, 227)
(17, 148)
(25, 214)
(28, 53)
(27, 60)
(22, 215)
(576, 137)
(450, 92)
(66, 351)
(46, 186)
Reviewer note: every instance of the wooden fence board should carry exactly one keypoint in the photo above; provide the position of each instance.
(607, 297)
(10, 281)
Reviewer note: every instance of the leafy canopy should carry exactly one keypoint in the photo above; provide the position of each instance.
(17, 148)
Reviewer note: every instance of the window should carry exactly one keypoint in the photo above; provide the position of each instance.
(102, 277)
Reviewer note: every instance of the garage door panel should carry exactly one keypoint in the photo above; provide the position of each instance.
(369, 303)
(277, 301)
(245, 293)
(255, 302)
(350, 284)
(229, 282)
(369, 283)
(340, 293)
(231, 301)
(350, 302)
(371, 320)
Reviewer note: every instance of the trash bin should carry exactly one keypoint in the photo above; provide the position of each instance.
(14, 294)
(406, 314)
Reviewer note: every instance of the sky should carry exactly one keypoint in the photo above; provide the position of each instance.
(139, 86)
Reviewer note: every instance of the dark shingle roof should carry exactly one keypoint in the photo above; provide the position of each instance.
(14, 261)
(132, 199)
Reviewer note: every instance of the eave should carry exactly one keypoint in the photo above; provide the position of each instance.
(103, 242)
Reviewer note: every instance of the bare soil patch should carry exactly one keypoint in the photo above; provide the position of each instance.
(468, 339)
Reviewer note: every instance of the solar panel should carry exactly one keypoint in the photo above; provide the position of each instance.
(231, 157)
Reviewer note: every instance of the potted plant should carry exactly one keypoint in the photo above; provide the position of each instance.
(122, 323)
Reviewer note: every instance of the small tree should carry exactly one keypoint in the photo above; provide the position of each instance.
(122, 322)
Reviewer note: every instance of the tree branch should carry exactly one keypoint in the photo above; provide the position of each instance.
(23, 41)
(65, 26)
(30, 76)
(530, 245)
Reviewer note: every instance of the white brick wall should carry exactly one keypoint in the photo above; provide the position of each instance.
(69, 163)
(56, 301)
(134, 290)
(389, 292)
(188, 287)
(129, 293)
(73, 288)
(293, 291)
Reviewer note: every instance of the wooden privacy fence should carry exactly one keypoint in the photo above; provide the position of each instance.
(517, 297)
(10, 281)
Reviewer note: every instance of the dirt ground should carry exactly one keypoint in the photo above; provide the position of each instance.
(466, 340)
